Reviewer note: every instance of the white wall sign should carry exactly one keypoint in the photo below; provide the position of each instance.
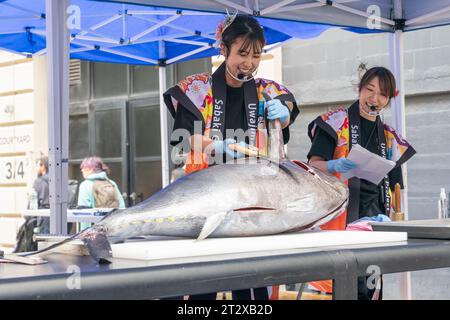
(14, 170)
(16, 139)
(17, 108)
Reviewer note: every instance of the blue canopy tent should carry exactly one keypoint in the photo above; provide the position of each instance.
(115, 33)
(417, 14)
(132, 34)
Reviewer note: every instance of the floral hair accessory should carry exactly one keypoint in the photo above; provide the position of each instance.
(396, 93)
(222, 26)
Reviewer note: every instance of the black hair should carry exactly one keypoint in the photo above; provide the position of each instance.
(248, 27)
(386, 78)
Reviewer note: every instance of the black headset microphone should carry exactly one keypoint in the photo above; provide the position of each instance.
(373, 111)
(245, 77)
(242, 76)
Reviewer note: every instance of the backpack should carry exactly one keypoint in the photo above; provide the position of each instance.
(25, 237)
(105, 195)
(25, 241)
(72, 196)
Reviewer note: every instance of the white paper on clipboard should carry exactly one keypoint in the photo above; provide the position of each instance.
(371, 166)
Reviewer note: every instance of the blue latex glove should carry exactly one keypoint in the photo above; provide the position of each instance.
(221, 146)
(340, 165)
(378, 218)
(277, 110)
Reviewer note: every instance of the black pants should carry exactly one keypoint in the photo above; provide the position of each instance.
(244, 294)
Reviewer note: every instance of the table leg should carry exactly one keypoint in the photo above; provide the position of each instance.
(345, 282)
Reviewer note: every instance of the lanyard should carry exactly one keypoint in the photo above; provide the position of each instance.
(354, 183)
(371, 134)
(219, 90)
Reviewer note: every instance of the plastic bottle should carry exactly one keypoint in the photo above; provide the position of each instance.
(443, 204)
(448, 206)
(33, 200)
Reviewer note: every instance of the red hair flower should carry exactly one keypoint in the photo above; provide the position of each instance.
(229, 18)
(218, 36)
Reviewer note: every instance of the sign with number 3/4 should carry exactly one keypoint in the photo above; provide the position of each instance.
(14, 170)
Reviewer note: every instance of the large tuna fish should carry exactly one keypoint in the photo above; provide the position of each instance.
(233, 200)
(249, 197)
(246, 198)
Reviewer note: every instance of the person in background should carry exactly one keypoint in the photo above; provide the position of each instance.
(25, 236)
(41, 184)
(97, 190)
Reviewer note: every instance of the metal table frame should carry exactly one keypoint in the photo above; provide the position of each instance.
(132, 279)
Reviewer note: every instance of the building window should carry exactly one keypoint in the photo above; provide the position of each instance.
(109, 80)
(145, 79)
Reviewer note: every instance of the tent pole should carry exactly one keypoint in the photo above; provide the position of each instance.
(398, 121)
(163, 120)
(396, 56)
(154, 27)
(187, 54)
(58, 111)
(398, 104)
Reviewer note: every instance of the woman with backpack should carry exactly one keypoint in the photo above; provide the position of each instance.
(97, 190)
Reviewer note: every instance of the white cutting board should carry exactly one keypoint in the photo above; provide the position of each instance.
(181, 248)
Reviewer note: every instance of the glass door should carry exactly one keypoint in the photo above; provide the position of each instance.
(144, 149)
(109, 132)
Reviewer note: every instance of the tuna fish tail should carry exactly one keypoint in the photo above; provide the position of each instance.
(98, 245)
(94, 239)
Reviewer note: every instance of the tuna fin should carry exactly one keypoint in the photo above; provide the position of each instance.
(99, 247)
(211, 224)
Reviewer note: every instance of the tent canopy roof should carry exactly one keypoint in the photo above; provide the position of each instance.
(351, 13)
(132, 34)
